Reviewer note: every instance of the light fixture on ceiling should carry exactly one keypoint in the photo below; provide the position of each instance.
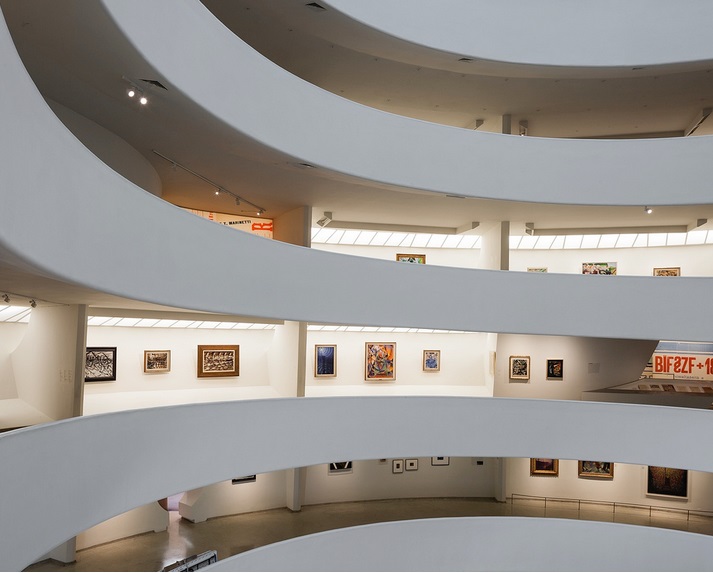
(648, 210)
(326, 220)
(217, 191)
(33, 304)
(259, 213)
(6, 298)
(134, 91)
(143, 100)
(237, 200)
(523, 127)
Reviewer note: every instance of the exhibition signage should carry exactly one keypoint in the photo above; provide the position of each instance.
(684, 366)
(254, 225)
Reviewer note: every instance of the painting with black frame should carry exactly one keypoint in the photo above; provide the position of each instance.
(100, 364)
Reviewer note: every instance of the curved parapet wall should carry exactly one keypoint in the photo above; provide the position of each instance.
(84, 224)
(606, 33)
(65, 477)
(483, 544)
(286, 113)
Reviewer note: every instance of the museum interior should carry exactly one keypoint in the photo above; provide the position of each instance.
(303, 285)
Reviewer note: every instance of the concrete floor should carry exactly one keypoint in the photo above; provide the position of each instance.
(238, 533)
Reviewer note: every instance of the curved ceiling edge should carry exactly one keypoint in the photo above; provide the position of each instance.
(607, 34)
(285, 113)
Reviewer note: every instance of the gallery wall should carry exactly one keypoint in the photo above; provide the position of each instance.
(10, 336)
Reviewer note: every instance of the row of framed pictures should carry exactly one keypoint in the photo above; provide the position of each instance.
(397, 466)
(214, 360)
(379, 361)
(609, 268)
(520, 368)
(660, 481)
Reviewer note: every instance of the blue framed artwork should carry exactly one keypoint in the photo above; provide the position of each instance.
(325, 360)
(431, 360)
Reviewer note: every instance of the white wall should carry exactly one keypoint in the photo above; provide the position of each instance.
(149, 517)
(10, 336)
(282, 359)
(373, 479)
(589, 364)
(628, 485)
(465, 258)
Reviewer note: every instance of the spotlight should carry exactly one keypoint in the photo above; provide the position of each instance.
(6, 298)
(131, 92)
(326, 220)
(143, 100)
(259, 213)
(33, 304)
(237, 200)
(648, 210)
(217, 191)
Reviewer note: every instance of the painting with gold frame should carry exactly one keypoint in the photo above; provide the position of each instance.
(667, 271)
(597, 470)
(416, 259)
(544, 467)
(380, 362)
(157, 361)
(218, 360)
(325, 360)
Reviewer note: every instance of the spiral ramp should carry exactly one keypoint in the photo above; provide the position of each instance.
(59, 200)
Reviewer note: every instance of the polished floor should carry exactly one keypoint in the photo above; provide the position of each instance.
(238, 533)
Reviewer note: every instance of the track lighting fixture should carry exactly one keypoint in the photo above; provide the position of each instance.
(237, 200)
(134, 90)
(326, 220)
(648, 210)
(6, 298)
(143, 100)
(33, 304)
(131, 92)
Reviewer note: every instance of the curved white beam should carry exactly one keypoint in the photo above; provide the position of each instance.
(281, 111)
(606, 33)
(483, 544)
(61, 478)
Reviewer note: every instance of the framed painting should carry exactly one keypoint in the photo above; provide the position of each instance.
(667, 271)
(244, 479)
(544, 467)
(412, 465)
(100, 364)
(666, 482)
(325, 360)
(397, 466)
(598, 268)
(536, 269)
(380, 362)
(339, 468)
(157, 361)
(519, 368)
(218, 361)
(441, 461)
(431, 360)
(555, 368)
(598, 470)
(415, 259)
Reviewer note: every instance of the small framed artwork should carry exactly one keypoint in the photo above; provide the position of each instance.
(519, 368)
(100, 364)
(217, 361)
(544, 467)
(339, 468)
(380, 362)
(666, 482)
(157, 361)
(431, 360)
(597, 470)
(598, 268)
(325, 360)
(397, 466)
(667, 271)
(411, 465)
(441, 461)
(415, 259)
(554, 368)
(536, 269)
(244, 479)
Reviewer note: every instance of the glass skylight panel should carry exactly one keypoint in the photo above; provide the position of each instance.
(452, 241)
(709, 238)
(349, 237)
(476, 245)
(354, 328)
(315, 232)
(657, 240)
(408, 240)
(385, 329)
(468, 241)
(675, 239)
(22, 316)
(147, 322)
(336, 238)
(642, 240)
(527, 242)
(97, 320)
(558, 243)
(421, 239)
(226, 325)
(395, 239)
(696, 237)
(608, 241)
(572, 241)
(322, 235)
(436, 241)
(165, 323)
(590, 241)
(626, 240)
(370, 329)
(515, 241)
(182, 323)
(401, 329)
(380, 238)
(544, 241)
(365, 237)
(9, 311)
(330, 327)
(127, 321)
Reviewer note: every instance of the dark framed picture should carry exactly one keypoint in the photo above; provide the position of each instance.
(412, 465)
(415, 259)
(397, 466)
(441, 461)
(217, 361)
(380, 361)
(555, 368)
(519, 368)
(100, 364)
(244, 479)
(666, 482)
(667, 271)
(157, 361)
(325, 360)
(544, 467)
(339, 468)
(597, 470)
(431, 360)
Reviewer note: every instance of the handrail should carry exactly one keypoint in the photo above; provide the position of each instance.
(614, 505)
